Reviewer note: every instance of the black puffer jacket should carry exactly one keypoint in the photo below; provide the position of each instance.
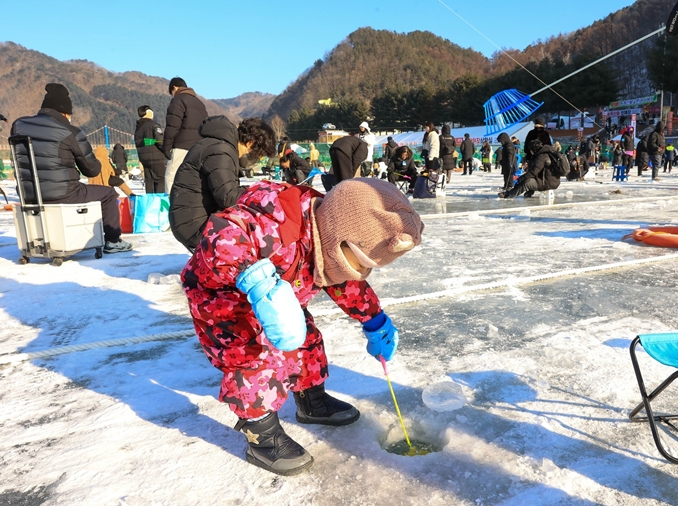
(448, 145)
(185, 114)
(298, 163)
(540, 169)
(627, 141)
(119, 159)
(656, 142)
(59, 148)
(148, 138)
(536, 133)
(508, 153)
(207, 180)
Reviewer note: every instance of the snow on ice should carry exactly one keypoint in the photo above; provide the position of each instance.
(541, 379)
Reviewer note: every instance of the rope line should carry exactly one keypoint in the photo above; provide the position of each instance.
(545, 207)
(21, 357)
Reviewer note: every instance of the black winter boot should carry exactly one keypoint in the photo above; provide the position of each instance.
(270, 448)
(314, 405)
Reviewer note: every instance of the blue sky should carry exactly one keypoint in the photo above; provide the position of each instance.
(224, 48)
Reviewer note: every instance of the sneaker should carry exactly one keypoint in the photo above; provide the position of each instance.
(502, 195)
(117, 247)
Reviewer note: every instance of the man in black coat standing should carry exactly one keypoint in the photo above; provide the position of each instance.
(185, 114)
(656, 144)
(347, 153)
(148, 138)
(507, 159)
(467, 152)
(62, 152)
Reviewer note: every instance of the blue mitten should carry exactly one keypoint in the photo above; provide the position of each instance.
(274, 304)
(382, 336)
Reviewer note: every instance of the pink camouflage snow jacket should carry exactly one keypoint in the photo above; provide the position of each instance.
(239, 237)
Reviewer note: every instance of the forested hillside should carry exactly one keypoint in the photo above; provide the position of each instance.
(99, 96)
(247, 105)
(370, 61)
(403, 80)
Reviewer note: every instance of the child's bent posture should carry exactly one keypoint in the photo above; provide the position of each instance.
(249, 282)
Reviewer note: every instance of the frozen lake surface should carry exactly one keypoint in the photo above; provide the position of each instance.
(544, 368)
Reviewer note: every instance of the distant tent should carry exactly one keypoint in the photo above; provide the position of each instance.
(477, 134)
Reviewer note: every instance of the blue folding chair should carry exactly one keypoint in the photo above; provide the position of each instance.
(664, 349)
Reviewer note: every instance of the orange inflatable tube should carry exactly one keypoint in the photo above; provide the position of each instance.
(665, 237)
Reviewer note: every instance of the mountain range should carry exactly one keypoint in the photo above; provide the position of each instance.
(360, 68)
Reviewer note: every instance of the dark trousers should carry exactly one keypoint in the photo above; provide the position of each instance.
(627, 161)
(154, 177)
(656, 159)
(508, 178)
(109, 206)
(468, 165)
(667, 165)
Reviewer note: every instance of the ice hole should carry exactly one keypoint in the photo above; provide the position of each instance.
(423, 440)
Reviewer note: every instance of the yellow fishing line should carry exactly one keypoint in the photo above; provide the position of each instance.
(400, 417)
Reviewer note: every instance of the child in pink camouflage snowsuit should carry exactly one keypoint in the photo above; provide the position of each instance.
(250, 279)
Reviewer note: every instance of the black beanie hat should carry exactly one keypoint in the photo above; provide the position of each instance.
(57, 98)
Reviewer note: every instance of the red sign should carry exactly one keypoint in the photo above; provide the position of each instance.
(669, 123)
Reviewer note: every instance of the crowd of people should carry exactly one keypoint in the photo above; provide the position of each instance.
(259, 254)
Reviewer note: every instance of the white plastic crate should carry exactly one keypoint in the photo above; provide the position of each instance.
(70, 228)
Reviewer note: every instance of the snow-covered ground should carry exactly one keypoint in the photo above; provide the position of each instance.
(544, 367)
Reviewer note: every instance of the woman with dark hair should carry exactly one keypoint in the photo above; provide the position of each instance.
(208, 179)
(448, 147)
(402, 164)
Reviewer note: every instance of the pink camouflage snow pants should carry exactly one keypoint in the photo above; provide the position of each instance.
(258, 376)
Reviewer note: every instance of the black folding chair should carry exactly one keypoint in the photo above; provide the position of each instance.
(664, 349)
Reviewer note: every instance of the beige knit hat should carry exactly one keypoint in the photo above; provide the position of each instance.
(372, 217)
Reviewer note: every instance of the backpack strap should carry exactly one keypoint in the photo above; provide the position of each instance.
(291, 230)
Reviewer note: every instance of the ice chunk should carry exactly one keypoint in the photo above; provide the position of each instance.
(569, 194)
(443, 396)
(171, 279)
(154, 278)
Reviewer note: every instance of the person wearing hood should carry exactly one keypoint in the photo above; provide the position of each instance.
(538, 132)
(148, 138)
(370, 139)
(538, 176)
(448, 147)
(119, 157)
(185, 114)
(507, 159)
(656, 144)
(107, 176)
(389, 148)
(208, 179)
(642, 156)
(249, 284)
(296, 169)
